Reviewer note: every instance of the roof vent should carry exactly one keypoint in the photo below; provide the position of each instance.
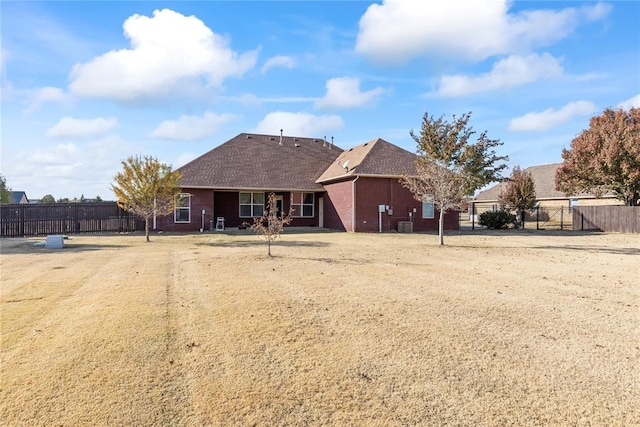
(297, 145)
(280, 143)
(248, 136)
(331, 146)
(324, 142)
(365, 144)
(271, 138)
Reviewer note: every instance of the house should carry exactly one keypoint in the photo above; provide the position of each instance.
(548, 197)
(19, 198)
(325, 186)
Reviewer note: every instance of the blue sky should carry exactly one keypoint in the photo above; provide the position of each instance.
(87, 84)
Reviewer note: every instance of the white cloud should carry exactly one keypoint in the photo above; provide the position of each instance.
(513, 71)
(633, 102)
(45, 95)
(298, 124)
(344, 92)
(69, 169)
(278, 61)
(398, 30)
(189, 128)
(166, 50)
(550, 118)
(68, 127)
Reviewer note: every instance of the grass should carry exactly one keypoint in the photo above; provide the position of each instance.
(496, 328)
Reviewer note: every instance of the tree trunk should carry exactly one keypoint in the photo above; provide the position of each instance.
(146, 228)
(269, 247)
(441, 227)
(522, 217)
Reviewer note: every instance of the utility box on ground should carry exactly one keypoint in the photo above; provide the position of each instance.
(55, 241)
(405, 227)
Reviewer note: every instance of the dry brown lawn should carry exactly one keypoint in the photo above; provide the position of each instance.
(503, 328)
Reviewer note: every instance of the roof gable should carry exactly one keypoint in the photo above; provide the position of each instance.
(250, 161)
(376, 157)
(19, 197)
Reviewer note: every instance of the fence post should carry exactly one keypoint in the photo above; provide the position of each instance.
(561, 216)
(538, 218)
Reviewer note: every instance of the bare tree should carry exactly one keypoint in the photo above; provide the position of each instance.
(271, 223)
(450, 167)
(519, 192)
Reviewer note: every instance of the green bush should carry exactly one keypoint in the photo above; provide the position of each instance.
(497, 220)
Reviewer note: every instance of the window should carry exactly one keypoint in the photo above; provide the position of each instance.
(427, 207)
(251, 205)
(182, 211)
(302, 204)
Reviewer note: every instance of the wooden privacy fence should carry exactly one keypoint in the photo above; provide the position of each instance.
(66, 218)
(621, 219)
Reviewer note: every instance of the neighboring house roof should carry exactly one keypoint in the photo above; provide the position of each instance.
(374, 158)
(19, 197)
(544, 178)
(250, 161)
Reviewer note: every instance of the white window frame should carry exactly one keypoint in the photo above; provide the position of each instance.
(298, 208)
(253, 204)
(426, 201)
(179, 208)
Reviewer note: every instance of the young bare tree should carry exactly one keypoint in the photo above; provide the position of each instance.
(605, 157)
(450, 167)
(146, 187)
(271, 223)
(519, 192)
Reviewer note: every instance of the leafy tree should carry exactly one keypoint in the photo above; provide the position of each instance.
(271, 223)
(497, 220)
(48, 198)
(450, 166)
(98, 199)
(605, 157)
(5, 192)
(63, 200)
(146, 187)
(519, 192)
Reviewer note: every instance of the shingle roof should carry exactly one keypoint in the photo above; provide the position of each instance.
(250, 161)
(376, 157)
(544, 177)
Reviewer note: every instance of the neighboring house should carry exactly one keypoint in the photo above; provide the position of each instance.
(19, 198)
(325, 186)
(544, 178)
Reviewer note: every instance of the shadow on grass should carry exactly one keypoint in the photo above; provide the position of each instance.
(593, 249)
(255, 242)
(30, 247)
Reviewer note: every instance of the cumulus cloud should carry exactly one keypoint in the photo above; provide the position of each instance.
(278, 61)
(344, 92)
(399, 30)
(550, 118)
(299, 124)
(513, 71)
(68, 127)
(45, 95)
(633, 102)
(189, 128)
(166, 50)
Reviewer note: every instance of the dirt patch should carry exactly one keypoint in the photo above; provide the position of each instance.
(495, 328)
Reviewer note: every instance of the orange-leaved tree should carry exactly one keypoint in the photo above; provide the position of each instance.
(519, 192)
(605, 157)
(146, 188)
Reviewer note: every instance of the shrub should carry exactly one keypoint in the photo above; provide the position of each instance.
(497, 220)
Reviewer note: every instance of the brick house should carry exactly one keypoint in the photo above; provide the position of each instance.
(327, 187)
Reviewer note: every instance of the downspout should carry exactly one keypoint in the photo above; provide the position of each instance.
(353, 204)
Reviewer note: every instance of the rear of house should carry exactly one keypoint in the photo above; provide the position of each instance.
(323, 185)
